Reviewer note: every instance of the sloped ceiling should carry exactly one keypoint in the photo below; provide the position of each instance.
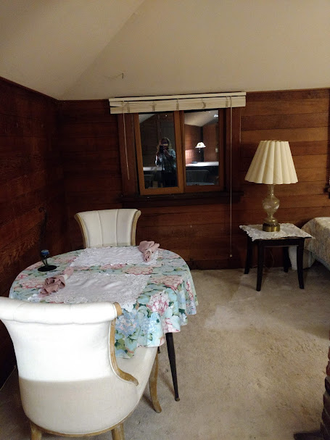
(93, 49)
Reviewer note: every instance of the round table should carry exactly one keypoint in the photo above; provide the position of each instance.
(163, 306)
(160, 310)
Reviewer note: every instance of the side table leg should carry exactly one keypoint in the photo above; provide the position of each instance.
(248, 255)
(300, 254)
(286, 259)
(260, 264)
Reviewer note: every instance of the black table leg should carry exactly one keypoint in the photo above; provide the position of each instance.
(260, 264)
(300, 255)
(248, 255)
(286, 259)
(171, 357)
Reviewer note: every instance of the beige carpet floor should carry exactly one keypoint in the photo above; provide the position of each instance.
(251, 365)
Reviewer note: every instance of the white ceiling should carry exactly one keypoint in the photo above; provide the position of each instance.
(93, 49)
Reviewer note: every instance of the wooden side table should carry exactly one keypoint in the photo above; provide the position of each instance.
(289, 235)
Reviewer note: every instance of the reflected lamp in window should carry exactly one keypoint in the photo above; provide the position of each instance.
(202, 142)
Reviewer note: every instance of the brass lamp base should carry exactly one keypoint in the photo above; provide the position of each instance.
(271, 228)
(271, 205)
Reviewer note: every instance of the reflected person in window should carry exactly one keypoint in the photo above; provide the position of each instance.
(166, 161)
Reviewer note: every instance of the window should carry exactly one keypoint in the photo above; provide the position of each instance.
(179, 152)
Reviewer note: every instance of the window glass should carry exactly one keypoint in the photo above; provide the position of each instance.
(201, 147)
(158, 145)
(180, 152)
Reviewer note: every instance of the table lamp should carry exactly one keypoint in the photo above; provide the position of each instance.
(272, 164)
(201, 147)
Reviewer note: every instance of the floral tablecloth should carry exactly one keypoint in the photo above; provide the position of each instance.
(162, 307)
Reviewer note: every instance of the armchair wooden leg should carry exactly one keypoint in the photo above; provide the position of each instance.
(153, 386)
(36, 433)
(118, 432)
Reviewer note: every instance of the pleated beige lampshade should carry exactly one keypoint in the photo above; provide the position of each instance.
(272, 164)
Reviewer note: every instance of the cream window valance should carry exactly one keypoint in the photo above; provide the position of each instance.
(151, 104)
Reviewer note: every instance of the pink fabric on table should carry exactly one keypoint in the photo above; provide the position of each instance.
(148, 248)
(147, 255)
(53, 284)
(144, 245)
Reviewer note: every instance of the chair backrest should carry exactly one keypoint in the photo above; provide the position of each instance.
(69, 379)
(108, 227)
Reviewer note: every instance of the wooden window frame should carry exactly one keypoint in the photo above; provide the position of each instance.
(131, 159)
(179, 159)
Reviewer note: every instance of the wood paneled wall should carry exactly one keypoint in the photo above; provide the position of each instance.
(210, 137)
(206, 235)
(193, 135)
(302, 118)
(88, 139)
(31, 183)
(64, 157)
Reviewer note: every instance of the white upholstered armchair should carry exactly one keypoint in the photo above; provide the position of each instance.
(108, 227)
(117, 227)
(70, 380)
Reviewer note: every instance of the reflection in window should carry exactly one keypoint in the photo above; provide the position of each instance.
(201, 145)
(166, 162)
(158, 150)
(181, 151)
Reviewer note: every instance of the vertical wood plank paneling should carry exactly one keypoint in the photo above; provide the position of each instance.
(31, 179)
(207, 238)
(64, 156)
(302, 118)
(88, 139)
